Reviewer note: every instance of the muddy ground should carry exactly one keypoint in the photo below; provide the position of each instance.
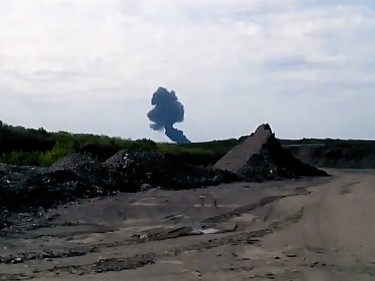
(309, 229)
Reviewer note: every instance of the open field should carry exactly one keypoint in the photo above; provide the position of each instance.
(309, 229)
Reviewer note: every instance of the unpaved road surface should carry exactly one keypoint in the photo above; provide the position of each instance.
(310, 229)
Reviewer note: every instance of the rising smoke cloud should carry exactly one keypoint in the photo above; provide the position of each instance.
(166, 112)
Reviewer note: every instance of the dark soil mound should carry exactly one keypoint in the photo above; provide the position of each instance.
(159, 170)
(261, 157)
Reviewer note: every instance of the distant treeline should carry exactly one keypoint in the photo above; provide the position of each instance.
(37, 147)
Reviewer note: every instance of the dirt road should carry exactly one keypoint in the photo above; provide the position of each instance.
(311, 229)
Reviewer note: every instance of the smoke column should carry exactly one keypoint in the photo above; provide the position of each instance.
(166, 112)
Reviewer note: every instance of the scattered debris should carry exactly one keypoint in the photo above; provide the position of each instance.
(202, 231)
(197, 274)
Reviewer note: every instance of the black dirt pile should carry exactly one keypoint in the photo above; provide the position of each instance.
(76, 176)
(159, 170)
(261, 157)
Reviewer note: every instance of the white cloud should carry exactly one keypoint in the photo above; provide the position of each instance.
(233, 63)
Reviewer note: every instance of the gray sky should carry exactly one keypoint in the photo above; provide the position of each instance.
(305, 66)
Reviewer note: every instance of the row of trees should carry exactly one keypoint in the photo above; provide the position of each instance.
(37, 147)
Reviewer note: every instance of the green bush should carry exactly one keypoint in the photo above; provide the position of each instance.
(21, 158)
(57, 152)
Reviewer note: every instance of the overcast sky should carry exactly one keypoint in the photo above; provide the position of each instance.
(307, 67)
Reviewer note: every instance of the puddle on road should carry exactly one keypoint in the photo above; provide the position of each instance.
(206, 231)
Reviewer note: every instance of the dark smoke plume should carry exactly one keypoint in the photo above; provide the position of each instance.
(167, 111)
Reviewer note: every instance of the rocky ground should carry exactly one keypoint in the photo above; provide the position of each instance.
(308, 229)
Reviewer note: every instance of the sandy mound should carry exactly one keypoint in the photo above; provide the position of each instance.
(73, 162)
(261, 157)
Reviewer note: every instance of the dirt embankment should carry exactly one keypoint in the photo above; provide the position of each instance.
(342, 155)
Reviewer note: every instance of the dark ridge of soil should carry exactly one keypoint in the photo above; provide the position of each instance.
(77, 176)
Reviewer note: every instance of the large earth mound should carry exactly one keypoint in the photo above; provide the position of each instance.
(261, 157)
